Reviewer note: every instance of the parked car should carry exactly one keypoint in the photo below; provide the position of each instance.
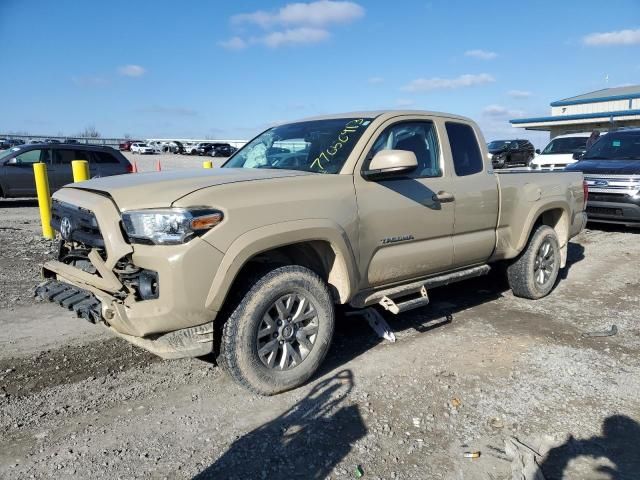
(142, 148)
(10, 142)
(510, 153)
(16, 165)
(221, 150)
(70, 140)
(176, 147)
(373, 210)
(560, 152)
(126, 145)
(52, 140)
(204, 148)
(611, 168)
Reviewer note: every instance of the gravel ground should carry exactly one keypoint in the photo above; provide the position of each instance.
(77, 403)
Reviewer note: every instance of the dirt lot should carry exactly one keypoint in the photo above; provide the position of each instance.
(76, 403)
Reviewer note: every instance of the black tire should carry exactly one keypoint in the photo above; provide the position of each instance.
(241, 338)
(534, 273)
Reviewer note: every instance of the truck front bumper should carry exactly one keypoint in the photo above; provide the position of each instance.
(187, 342)
(625, 213)
(176, 323)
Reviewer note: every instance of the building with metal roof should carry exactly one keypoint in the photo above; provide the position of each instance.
(600, 110)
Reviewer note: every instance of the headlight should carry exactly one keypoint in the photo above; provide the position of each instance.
(170, 226)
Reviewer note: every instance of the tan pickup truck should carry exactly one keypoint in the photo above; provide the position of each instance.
(247, 261)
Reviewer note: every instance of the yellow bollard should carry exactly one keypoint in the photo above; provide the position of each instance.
(80, 170)
(44, 199)
(207, 164)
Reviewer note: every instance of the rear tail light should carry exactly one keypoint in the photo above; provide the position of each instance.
(585, 189)
(130, 168)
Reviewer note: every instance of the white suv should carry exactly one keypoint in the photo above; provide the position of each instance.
(559, 152)
(141, 148)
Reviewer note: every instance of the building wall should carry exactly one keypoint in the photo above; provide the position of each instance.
(613, 106)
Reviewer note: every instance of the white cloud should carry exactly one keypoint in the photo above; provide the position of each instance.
(519, 93)
(294, 24)
(481, 54)
(620, 37)
(405, 102)
(319, 13)
(131, 70)
(234, 43)
(375, 80)
(294, 36)
(498, 111)
(468, 80)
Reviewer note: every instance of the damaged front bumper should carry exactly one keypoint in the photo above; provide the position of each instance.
(172, 324)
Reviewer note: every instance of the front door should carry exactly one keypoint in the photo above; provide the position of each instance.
(20, 178)
(405, 230)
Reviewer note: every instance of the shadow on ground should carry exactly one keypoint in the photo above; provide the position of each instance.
(306, 442)
(619, 443)
(353, 336)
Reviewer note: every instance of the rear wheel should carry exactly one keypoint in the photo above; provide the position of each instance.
(534, 273)
(280, 332)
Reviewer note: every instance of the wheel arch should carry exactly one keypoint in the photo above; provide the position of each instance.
(322, 246)
(555, 216)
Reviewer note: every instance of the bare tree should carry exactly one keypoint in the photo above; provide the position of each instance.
(90, 132)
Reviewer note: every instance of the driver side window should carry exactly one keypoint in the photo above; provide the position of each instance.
(419, 137)
(32, 156)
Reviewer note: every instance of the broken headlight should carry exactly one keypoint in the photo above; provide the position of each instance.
(169, 226)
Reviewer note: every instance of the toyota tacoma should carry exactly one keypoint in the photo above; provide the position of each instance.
(248, 261)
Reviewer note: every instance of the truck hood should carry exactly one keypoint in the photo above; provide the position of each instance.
(607, 167)
(161, 189)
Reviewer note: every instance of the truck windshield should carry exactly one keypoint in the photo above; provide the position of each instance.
(565, 145)
(616, 146)
(320, 146)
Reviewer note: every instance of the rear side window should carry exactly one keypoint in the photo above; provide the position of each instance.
(104, 157)
(66, 156)
(467, 158)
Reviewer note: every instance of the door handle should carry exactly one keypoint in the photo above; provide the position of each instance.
(443, 197)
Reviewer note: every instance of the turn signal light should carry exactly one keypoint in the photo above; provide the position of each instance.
(206, 222)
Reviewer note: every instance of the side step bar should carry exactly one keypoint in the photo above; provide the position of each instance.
(385, 297)
(408, 304)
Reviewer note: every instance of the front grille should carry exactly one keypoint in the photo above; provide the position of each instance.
(605, 211)
(76, 224)
(621, 184)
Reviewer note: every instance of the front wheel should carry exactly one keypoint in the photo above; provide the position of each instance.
(280, 332)
(534, 273)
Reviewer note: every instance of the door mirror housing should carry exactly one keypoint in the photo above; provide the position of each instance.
(391, 163)
(578, 155)
(11, 161)
(538, 151)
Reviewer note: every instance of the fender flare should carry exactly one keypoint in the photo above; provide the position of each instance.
(269, 237)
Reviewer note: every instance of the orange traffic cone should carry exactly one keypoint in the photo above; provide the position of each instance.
(158, 166)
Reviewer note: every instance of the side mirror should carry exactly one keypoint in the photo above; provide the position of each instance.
(11, 161)
(391, 163)
(578, 155)
(538, 151)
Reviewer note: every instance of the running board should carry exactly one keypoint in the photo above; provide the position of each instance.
(383, 296)
(402, 304)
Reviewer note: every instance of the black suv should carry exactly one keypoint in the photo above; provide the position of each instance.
(16, 165)
(222, 150)
(511, 153)
(611, 168)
